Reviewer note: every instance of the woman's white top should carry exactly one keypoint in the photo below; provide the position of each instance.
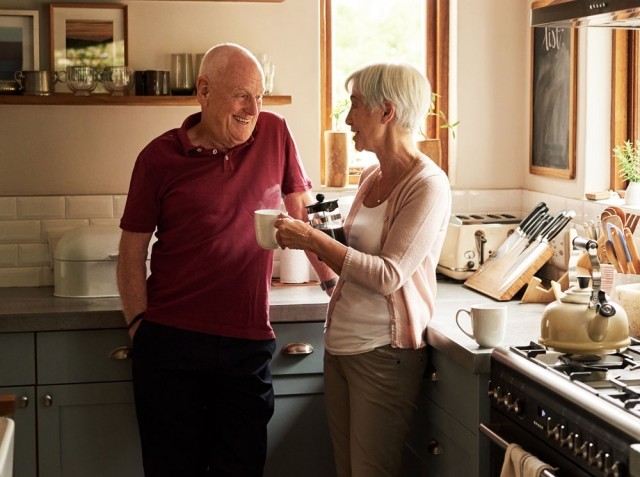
(361, 320)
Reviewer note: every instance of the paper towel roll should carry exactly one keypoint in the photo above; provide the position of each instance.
(294, 266)
(628, 296)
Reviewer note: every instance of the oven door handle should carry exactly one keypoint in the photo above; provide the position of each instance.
(496, 439)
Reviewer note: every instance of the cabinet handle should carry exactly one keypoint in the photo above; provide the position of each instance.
(47, 400)
(433, 374)
(434, 448)
(23, 401)
(297, 348)
(121, 352)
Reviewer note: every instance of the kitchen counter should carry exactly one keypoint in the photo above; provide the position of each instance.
(36, 309)
(523, 325)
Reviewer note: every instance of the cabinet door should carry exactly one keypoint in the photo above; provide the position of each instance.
(88, 430)
(83, 356)
(17, 355)
(24, 459)
(439, 446)
(299, 442)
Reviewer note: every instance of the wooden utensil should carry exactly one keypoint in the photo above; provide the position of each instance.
(632, 222)
(631, 244)
(616, 237)
(611, 255)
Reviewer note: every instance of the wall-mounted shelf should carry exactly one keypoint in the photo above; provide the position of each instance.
(68, 99)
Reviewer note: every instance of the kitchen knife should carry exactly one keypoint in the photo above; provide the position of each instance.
(560, 224)
(547, 227)
(523, 230)
(524, 261)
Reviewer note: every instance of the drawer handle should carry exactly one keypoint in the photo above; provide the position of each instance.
(23, 401)
(297, 348)
(121, 353)
(48, 400)
(434, 448)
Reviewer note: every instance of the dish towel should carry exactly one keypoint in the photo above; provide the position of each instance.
(519, 463)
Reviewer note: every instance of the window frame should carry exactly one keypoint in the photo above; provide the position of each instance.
(437, 68)
(625, 94)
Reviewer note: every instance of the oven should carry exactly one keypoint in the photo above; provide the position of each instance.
(580, 418)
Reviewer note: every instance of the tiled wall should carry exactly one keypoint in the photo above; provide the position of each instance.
(28, 225)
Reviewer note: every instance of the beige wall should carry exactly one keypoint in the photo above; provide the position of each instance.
(91, 150)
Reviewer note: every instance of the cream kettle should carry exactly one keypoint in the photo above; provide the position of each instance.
(582, 321)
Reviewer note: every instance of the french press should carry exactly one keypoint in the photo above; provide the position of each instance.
(325, 216)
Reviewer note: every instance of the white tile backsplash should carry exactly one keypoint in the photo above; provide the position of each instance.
(26, 246)
(21, 277)
(8, 256)
(40, 208)
(90, 206)
(8, 208)
(33, 254)
(20, 231)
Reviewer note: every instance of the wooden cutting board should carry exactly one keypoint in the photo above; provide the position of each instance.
(492, 278)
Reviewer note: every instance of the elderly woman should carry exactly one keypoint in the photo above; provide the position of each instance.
(375, 330)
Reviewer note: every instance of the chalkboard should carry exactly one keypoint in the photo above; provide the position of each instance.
(553, 100)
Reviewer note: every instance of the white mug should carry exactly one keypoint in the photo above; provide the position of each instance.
(488, 324)
(264, 220)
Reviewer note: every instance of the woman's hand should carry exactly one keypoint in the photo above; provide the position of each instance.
(292, 233)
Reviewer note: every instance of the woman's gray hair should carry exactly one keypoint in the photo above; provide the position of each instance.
(400, 83)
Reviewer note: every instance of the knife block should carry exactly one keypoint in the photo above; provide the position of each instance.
(492, 278)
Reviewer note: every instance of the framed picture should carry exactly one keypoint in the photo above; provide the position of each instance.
(553, 102)
(19, 42)
(88, 34)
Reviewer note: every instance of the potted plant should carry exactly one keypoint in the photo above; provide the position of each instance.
(431, 146)
(335, 148)
(628, 157)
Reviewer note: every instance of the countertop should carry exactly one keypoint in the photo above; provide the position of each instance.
(36, 309)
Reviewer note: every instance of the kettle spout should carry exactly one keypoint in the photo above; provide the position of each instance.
(597, 328)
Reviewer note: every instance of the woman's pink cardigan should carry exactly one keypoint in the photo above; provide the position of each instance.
(415, 224)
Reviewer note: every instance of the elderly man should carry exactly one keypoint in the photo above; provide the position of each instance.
(200, 323)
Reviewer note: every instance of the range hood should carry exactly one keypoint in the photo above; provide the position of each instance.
(588, 13)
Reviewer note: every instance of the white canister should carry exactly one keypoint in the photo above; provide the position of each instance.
(294, 266)
(628, 297)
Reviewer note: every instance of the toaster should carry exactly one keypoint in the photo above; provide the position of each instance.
(471, 239)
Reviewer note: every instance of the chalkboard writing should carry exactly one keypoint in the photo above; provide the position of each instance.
(553, 90)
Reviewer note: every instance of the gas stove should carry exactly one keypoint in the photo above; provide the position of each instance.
(578, 413)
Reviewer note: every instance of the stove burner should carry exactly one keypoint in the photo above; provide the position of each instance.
(584, 358)
(595, 362)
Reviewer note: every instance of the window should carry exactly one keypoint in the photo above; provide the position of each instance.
(625, 112)
(356, 32)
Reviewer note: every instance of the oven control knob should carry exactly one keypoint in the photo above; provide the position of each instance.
(611, 470)
(518, 408)
(566, 437)
(594, 456)
(553, 431)
(579, 447)
(507, 399)
(494, 393)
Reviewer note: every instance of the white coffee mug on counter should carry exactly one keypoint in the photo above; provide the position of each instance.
(265, 231)
(488, 323)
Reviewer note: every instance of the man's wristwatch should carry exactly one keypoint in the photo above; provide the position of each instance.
(328, 284)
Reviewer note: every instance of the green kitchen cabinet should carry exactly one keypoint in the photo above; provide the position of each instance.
(18, 377)
(299, 441)
(445, 440)
(85, 410)
(75, 416)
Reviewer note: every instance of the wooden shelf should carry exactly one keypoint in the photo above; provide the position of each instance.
(68, 99)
